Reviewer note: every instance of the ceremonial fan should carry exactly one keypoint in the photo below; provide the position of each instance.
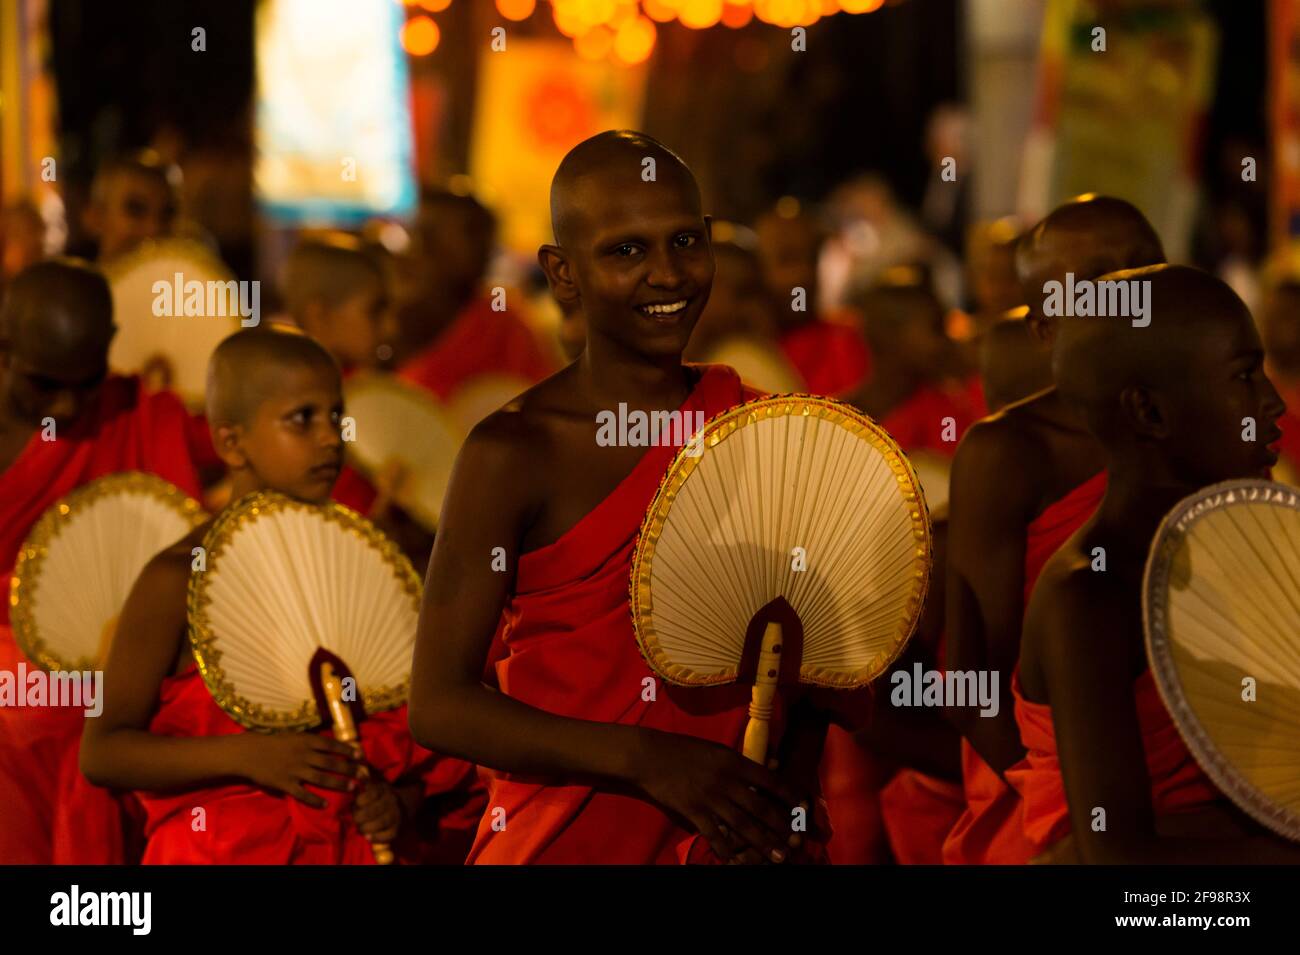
(155, 331)
(1221, 606)
(793, 547)
(80, 560)
(481, 395)
(402, 431)
(305, 616)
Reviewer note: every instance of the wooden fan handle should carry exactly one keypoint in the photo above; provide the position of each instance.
(763, 696)
(345, 731)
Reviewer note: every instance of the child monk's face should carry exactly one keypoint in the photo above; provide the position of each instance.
(1215, 400)
(292, 442)
(643, 263)
(354, 329)
(135, 208)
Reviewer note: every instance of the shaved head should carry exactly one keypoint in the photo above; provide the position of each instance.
(1186, 394)
(59, 313)
(612, 160)
(1089, 236)
(248, 367)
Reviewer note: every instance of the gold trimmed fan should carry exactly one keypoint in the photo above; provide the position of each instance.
(81, 559)
(174, 345)
(795, 546)
(481, 395)
(1221, 608)
(285, 580)
(400, 426)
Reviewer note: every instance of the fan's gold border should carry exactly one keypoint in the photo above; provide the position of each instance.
(383, 382)
(204, 643)
(25, 583)
(1155, 614)
(718, 429)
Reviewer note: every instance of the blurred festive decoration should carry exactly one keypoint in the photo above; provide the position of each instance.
(420, 36)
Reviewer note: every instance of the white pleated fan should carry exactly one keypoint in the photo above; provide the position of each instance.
(81, 559)
(400, 424)
(794, 497)
(185, 341)
(285, 579)
(1221, 606)
(481, 395)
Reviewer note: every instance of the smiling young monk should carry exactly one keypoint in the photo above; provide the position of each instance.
(586, 768)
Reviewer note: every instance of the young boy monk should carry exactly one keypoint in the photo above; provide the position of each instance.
(1166, 402)
(132, 200)
(1022, 481)
(828, 352)
(274, 403)
(64, 421)
(587, 767)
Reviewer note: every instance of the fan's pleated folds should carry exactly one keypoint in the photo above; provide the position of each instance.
(794, 497)
(186, 341)
(81, 559)
(284, 579)
(1222, 615)
(397, 422)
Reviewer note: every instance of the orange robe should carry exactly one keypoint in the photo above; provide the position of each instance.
(831, 357)
(572, 652)
(241, 823)
(479, 342)
(48, 811)
(991, 830)
(1177, 782)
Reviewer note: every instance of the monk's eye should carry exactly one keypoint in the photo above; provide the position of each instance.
(625, 250)
(685, 241)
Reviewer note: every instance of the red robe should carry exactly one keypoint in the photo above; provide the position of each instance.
(1290, 425)
(479, 342)
(991, 830)
(918, 424)
(1177, 782)
(48, 811)
(572, 652)
(831, 357)
(244, 824)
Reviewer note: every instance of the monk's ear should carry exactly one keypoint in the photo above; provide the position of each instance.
(1042, 330)
(227, 439)
(1144, 412)
(559, 273)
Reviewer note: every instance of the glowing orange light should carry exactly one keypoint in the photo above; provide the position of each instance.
(593, 12)
(736, 16)
(634, 41)
(420, 36)
(658, 10)
(434, 6)
(516, 9)
(700, 14)
(861, 6)
(594, 44)
(567, 21)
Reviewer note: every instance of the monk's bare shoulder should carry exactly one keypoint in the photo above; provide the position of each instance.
(998, 458)
(168, 572)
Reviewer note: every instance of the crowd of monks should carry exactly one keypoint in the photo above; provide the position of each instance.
(528, 736)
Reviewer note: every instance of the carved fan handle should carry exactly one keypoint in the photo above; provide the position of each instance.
(761, 700)
(345, 731)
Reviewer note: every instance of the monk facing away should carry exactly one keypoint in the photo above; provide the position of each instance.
(1166, 403)
(585, 767)
(1022, 481)
(274, 403)
(64, 421)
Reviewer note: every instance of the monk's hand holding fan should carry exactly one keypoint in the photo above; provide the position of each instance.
(741, 808)
(289, 762)
(378, 811)
(788, 549)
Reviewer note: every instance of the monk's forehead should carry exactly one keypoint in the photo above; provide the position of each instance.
(614, 198)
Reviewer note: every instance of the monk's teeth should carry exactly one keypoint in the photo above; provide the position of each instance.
(671, 308)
